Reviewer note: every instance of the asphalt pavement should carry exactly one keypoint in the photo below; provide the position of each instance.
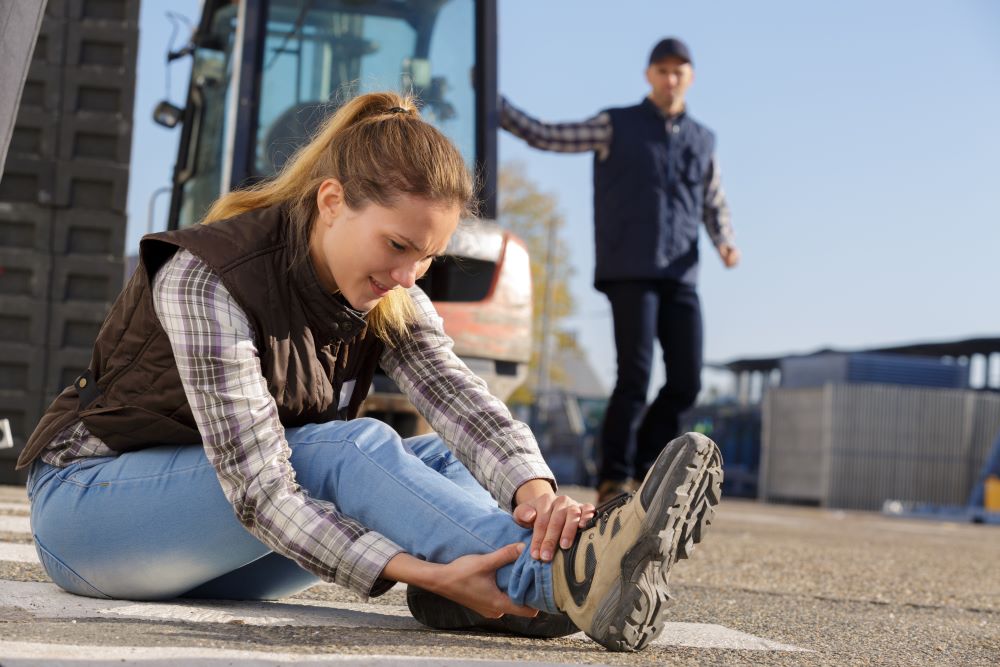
(772, 585)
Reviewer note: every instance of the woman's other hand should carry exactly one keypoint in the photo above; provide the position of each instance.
(471, 581)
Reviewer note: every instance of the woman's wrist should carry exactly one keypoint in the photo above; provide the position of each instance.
(532, 489)
(407, 569)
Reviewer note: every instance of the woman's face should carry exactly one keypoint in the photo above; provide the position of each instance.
(368, 252)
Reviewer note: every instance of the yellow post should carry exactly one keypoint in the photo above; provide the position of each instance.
(991, 497)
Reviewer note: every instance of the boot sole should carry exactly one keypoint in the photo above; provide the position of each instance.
(678, 516)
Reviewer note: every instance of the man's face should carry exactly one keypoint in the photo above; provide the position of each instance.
(670, 79)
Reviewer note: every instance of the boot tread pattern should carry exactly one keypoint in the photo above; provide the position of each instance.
(642, 599)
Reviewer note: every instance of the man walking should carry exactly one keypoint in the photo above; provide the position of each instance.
(656, 179)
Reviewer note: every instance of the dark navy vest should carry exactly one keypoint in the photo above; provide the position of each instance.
(648, 196)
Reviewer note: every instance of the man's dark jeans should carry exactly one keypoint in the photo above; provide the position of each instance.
(641, 311)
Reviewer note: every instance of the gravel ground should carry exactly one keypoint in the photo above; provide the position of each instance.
(851, 588)
(21, 572)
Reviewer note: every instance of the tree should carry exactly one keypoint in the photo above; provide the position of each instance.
(534, 216)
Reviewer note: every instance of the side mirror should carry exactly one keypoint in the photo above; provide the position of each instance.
(167, 114)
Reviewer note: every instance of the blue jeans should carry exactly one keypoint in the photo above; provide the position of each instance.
(154, 524)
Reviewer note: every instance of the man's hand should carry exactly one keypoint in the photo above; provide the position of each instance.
(555, 520)
(730, 255)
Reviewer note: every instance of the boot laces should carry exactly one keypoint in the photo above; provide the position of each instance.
(603, 512)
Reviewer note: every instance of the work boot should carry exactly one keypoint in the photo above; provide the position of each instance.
(439, 612)
(612, 582)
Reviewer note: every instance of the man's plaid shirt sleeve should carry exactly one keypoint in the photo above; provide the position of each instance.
(216, 355)
(715, 211)
(593, 134)
(498, 450)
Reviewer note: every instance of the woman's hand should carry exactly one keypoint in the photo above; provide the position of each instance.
(555, 520)
(471, 581)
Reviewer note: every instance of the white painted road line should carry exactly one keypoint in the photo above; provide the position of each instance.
(25, 654)
(709, 635)
(44, 600)
(15, 524)
(18, 553)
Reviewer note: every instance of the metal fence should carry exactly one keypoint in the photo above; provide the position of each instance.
(856, 446)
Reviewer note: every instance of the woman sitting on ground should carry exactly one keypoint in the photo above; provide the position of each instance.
(212, 448)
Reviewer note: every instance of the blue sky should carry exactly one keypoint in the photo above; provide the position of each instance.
(859, 144)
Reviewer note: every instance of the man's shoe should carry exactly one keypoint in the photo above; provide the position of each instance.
(612, 581)
(612, 488)
(441, 613)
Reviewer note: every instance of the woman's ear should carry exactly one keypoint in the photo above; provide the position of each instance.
(329, 200)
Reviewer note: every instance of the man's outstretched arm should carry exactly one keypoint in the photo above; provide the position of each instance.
(593, 134)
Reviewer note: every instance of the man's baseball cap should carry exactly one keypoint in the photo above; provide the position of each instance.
(670, 47)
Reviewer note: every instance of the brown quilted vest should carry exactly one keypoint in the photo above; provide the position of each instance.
(310, 343)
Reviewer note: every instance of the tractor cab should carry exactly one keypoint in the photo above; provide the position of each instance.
(266, 73)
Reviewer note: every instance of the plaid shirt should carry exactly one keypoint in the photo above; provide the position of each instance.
(216, 356)
(594, 134)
